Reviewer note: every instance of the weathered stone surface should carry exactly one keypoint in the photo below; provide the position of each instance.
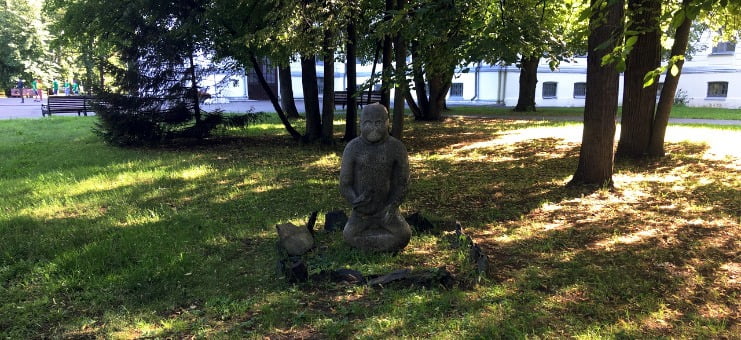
(406, 277)
(295, 270)
(335, 220)
(348, 276)
(476, 254)
(294, 240)
(373, 179)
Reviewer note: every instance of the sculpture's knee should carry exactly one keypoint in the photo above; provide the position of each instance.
(372, 236)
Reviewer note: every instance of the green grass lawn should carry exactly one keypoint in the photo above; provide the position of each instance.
(97, 241)
(677, 112)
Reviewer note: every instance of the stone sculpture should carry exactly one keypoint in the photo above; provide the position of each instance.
(373, 178)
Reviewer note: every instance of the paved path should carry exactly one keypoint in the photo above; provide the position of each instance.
(11, 108)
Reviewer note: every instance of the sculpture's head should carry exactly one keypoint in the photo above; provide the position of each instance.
(374, 123)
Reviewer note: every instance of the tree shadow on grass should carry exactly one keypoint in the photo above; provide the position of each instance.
(626, 264)
(205, 258)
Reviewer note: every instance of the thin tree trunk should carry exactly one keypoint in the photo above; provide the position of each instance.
(387, 73)
(89, 67)
(416, 112)
(286, 92)
(528, 82)
(661, 118)
(328, 99)
(373, 74)
(596, 154)
(420, 86)
(311, 99)
(194, 88)
(401, 85)
(351, 116)
(639, 102)
(273, 98)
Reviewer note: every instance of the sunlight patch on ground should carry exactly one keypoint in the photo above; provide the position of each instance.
(662, 319)
(576, 293)
(148, 216)
(631, 238)
(326, 161)
(571, 134)
(721, 143)
(195, 172)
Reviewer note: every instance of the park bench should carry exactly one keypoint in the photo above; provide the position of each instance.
(340, 98)
(62, 104)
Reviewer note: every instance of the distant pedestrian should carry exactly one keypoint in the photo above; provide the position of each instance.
(35, 88)
(40, 90)
(55, 87)
(20, 89)
(66, 87)
(75, 87)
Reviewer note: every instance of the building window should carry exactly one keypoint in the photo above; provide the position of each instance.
(717, 89)
(456, 90)
(580, 90)
(549, 90)
(724, 48)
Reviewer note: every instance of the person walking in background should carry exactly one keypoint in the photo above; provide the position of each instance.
(66, 87)
(55, 87)
(40, 90)
(75, 87)
(35, 88)
(20, 89)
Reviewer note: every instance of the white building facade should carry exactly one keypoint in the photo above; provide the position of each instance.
(712, 78)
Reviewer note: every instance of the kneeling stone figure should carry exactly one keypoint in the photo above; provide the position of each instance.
(373, 178)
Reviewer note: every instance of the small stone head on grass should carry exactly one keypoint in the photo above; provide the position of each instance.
(374, 178)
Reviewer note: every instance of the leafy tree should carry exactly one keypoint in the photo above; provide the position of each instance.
(247, 32)
(80, 50)
(351, 47)
(671, 80)
(643, 123)
(25, 43)
(402, 88)
(526, 31)
(644, 42)
(438, 34)
(600, 109)
(154, 92)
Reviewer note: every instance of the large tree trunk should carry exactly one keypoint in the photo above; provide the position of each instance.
(600, 107)
(286, 92)
(401, 85)
(311, 99)
(351, 116)
(273, 98)
(528, 82)
(639, 102)
(328, 99)
(439, 86)
(661, 118)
